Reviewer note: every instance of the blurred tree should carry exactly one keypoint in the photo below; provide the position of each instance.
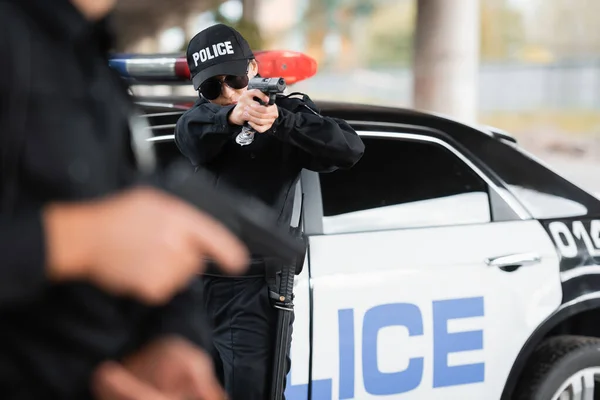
(316, 23)
(352, 19)
(139, 20)
(247, 25)
(568, 28)
(390, 33)
(136, 20)
(502, 30)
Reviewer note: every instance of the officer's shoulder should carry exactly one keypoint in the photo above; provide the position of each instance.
(295, 101)
(184, 118)
(200, 107)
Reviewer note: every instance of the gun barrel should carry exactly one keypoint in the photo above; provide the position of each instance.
(268, 85)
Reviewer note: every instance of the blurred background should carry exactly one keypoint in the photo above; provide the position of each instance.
(530, 67)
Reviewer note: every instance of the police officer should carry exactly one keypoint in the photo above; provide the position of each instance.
(291, 135)
(90, 263)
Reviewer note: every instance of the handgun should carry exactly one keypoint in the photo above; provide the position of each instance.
(269, 86)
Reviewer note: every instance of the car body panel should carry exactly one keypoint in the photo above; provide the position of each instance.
(578, 244)
(382, 287)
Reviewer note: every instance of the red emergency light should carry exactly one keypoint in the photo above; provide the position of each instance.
(292, 66)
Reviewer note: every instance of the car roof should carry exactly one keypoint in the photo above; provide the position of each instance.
(349, 111)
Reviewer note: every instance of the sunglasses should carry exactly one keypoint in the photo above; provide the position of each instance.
(212, 87)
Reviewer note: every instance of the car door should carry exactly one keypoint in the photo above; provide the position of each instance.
(426, 277)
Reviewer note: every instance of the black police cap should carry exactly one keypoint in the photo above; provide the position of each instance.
(217, 50)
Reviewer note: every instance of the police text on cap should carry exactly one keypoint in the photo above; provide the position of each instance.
(219, 49)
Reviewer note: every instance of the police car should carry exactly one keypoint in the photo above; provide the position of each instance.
(447, 264)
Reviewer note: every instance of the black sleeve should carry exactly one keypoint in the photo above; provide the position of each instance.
(22, 250)
(324, 144)
(22, 239)
(202, 131)
(183, 316)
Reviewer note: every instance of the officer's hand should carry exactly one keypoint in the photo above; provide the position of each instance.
(262, 117)
(112, 381)
(177, 368)
(242, 112)
(143, 243)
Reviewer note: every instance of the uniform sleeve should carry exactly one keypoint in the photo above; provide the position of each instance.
(22, 240)
(22, 250)
(324, 144)
(201, 132)
(183, 316)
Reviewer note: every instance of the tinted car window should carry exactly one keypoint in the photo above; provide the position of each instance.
(403, 183)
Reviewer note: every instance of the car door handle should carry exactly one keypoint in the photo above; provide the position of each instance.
(511, 262)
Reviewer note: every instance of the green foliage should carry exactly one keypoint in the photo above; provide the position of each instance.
(391, 27)
(502, 31)
(390, 33)
(391, 50)
(568, 29)
(248, 29)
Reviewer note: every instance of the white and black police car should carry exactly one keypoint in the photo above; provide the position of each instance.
(447, 264)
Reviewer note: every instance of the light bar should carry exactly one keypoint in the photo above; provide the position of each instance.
(173, 69)
(292, 66)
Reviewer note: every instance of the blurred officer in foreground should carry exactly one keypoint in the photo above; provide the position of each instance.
(291, 135)
(89, 264)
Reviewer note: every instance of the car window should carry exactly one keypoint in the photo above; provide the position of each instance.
(402, 183)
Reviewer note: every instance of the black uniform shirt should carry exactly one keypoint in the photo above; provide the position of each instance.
(64, 136)
(268, 168)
